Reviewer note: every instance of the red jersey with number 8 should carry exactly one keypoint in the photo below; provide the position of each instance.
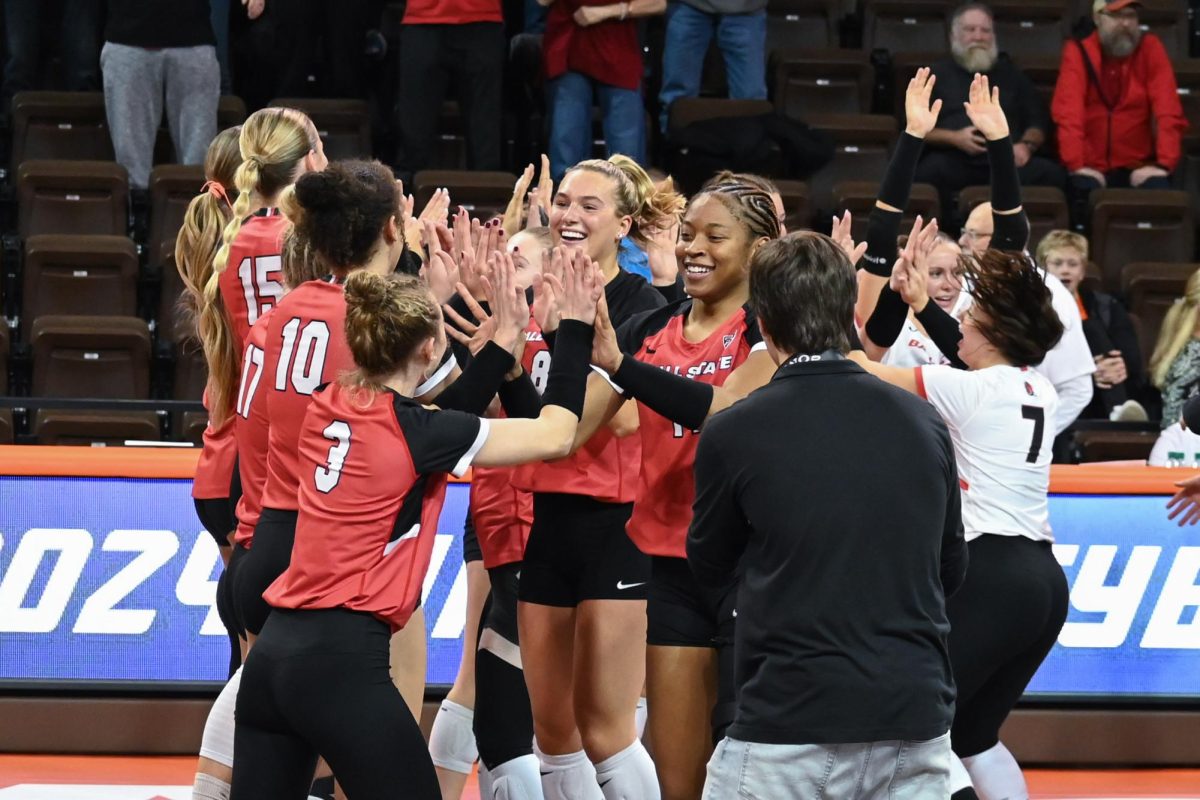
(373, 478)
(252, 282)
(666, 489)
(306, 348)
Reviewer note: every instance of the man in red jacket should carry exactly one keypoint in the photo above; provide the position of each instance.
(1118, 115)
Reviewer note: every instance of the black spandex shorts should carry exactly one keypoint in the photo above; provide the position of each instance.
(471, 551)
(578, 550)
(683, 613)
(500, 613)
(269, 555)
(217, 516)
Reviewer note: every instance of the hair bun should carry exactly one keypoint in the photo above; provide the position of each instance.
(321, 191)
(366, 292)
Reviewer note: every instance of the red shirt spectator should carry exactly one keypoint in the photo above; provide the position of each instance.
(608, 51)
(452, 12)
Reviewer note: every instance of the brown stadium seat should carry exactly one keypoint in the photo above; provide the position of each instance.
(94, 428)
(1029, 28)
(905, 26)
(94, 275)
(858, 197)
(191, 371)
(1151, 289)
(4, 345)
(231, 110)
(483, 194)
(1113, 445)
(60, 125)
(172, 187)
(797, 212)
(1046, 207)
(1168, 19)
(104, 357)
(192, 427)
(864, 147)
(6, 426)
(822, 81)
(170, 324)
(1139, 225)
(801, 24)
(344, 125)
(1187, 78)
(687, 110)
(81, 197)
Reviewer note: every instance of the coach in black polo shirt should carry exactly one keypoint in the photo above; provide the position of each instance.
(836, 497)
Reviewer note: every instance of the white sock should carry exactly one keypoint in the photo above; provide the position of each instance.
(452, 740)
(996, 775)
(629, 775)
(217, 742)
(639, 716)
(207, 787)
(959, 778)
(517, 779)
(568, 777)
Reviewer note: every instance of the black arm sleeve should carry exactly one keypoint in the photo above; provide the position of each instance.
(954, 554)
(884, 226)
(676, 398)
(944, 331)
(520, 398)
(673, 293)
(479, 382)
(887, 319)
(567, 381)
(1010, 231)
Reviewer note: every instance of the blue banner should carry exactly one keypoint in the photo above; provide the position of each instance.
(113, 580)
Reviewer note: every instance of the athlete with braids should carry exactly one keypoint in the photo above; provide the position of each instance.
(1009, 611)
(371, 469)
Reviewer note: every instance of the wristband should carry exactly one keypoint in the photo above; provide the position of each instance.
(883, 228)
(887, 320)
(567, 382)
(519, 397)
(479, 382)
(678, 399)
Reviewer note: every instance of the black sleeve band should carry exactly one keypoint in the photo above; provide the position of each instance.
(887, 319)
(944, 331)
(548, 337)
(882, 229)
(676, 398)
(901, 171)
(567, 382)
(479, 381)
(520, 397)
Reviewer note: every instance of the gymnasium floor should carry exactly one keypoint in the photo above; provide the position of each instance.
(24, 777)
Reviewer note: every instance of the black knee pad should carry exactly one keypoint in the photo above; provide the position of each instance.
(503, 719)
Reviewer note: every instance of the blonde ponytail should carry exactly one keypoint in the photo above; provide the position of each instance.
(1178, 328)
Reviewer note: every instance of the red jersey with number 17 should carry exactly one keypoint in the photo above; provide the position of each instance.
(250, 428)
(373, 478)
(666, 489)
(306, 348)
(252, 281)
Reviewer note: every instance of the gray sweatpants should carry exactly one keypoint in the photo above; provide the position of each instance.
(135, 82)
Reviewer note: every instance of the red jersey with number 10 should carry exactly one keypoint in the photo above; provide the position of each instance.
(666, 489)
(306, 348)
(250, 428)
(251, 283)
(373, 478)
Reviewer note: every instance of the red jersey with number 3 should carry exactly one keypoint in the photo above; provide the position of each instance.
(250, 428)
(666, 489)
(501, 512)
(373, 478)
(252, 282)
(306, 348)
(214, 470)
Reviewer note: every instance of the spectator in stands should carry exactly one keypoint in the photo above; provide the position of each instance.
(1107, 327)
(78, 35)
(956, 154)
(152, 49)
(1118, 115)
(591, 53)
(1175, 364)
(741, 29)
(440, 41)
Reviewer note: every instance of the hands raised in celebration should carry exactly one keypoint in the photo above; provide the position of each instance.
(843, 237)
(983, 109)
(920, 115)
(910, 275)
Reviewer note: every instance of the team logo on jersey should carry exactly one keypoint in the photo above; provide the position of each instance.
(1029, 390)
(728, 339)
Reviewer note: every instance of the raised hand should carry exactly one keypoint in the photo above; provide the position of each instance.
(438, 207)
(508, 303)
(254, 8)
(580, 288)
(545, 300)
(472, 335)
(660, 254)
(516, 203)
(983, 109)
(843, 237)
(440, 271)
(606, 353)
(545, 188)
(911, 271)
(920, 115)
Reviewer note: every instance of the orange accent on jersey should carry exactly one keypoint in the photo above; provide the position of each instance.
(919, 376)
(962, 484)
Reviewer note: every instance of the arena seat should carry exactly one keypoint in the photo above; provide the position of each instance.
(6, 426)
(1029, 28)
(1046, 207)
(94, 428)
(1187, 79)
(796, 210)
(864, 147)
(168, 322)
(688, 110)
(231, 110)
(1042, 70)
(483, 194)
(905, 26)
(1112, 445)
(192, 427)
(858, 197)
(172, 187)
(4, 345)
(80, 197)
(102, 357)
(191, 371)
(1131, 225)
(344, 125)
(801, 24)
(1167, 19)
(822, 81)
(94, 275)
(60, 125)
(1150, 289)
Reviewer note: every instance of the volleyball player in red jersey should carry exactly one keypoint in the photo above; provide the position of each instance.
(372, 470)
(702, 354)
(582, 587)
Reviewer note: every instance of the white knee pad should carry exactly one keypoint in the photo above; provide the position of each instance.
(452, 741)
(568, 777)
(628, 775)
(207, 787)
(217, 742)
(959, 778)
(996, 775)
(639, 717)
(517, 779)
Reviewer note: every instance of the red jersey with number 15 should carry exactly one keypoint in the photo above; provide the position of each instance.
(666, 489)
(252, 281)
(250, 428)
(306, 348)
(373, 478)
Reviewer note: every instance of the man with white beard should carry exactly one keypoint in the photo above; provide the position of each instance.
(1120, 123)
(955, 152)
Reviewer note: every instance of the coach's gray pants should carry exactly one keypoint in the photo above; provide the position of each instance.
(135, 82)
(866, 771)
